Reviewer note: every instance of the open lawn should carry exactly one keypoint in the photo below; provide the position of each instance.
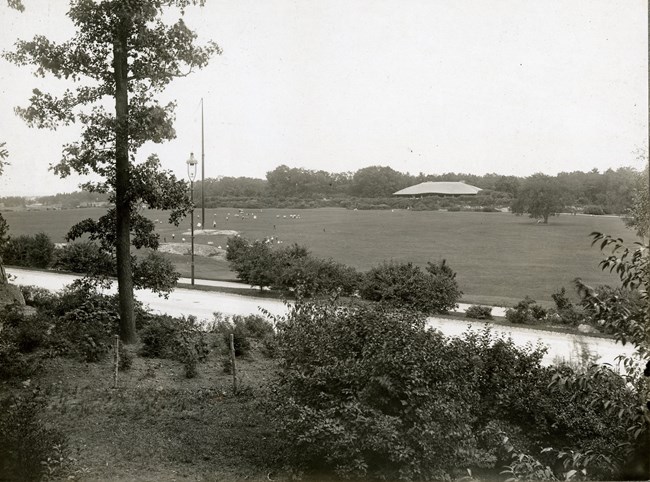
(499, 257)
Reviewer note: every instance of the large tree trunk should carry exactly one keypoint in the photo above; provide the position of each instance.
(122, 200)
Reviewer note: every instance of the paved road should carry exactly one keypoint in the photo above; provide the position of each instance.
(203, 304)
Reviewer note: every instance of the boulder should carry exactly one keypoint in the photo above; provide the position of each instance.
(584, 328)
(10, 294)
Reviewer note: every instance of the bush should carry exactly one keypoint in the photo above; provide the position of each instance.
(38, 297)
(13, 363)
(479, 312)
(526, 312)
(245, 330)
(85, 257)
(355, 395)
(28, 449)
(20, 336)
(35, 251)
(594, 210)
(308, 277)
(406, 285)
(367, 393)
(180, 339)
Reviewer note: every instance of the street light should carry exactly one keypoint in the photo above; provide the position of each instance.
(191, 172)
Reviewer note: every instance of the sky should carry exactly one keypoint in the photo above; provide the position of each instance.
(513, 87)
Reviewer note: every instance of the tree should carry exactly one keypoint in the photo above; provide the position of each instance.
(144, 54)
(377, 181)
(639, 213)
(540, 196)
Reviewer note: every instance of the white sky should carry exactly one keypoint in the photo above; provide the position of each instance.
(433, 86)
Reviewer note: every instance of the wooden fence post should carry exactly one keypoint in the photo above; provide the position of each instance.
(117, 360)
(232, 358)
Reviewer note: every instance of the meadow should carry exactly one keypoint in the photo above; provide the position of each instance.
(499, 257)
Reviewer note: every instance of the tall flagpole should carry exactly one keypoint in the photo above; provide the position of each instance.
(202, 170)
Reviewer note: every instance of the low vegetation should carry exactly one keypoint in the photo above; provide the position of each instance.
(332, 390)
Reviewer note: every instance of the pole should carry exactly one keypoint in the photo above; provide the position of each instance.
(117, 360)
(232, 359)
(192, 227)
(202, 170)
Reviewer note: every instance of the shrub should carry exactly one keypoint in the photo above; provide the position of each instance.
(253, 262)
(479, 312)
(36, 251)
(366, 392)
(561, 300)
(13, 363)
(245, 329)
(526, 312)
(38, 297)
(180, 339)
(85, 257)
(28, 449)
(594, 210)
(406, 285)
(308, 276)
(355, 395)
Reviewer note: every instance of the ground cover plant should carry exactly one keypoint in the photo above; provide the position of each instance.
(500, 258)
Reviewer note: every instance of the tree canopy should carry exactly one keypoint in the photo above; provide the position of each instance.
(539, 196)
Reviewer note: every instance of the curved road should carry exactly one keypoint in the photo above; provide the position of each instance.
(203, 304)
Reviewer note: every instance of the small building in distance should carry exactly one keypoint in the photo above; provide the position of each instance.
(431, 188)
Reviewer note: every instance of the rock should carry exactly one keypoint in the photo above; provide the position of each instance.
(10, 294)
(584, 328)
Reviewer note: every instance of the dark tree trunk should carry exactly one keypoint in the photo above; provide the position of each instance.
(122, 198)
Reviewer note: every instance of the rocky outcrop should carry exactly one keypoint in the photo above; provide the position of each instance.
(9, 294)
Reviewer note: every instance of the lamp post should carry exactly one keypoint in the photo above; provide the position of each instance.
(191, 172)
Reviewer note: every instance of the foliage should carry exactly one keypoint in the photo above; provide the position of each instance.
(252, 261)
(155, 272)
(180, 339)
(479, 312)
(539, 196)
(291, 270)
(362, 394)
(27, 332)
(4, 234)
(561, 300)
(406, 285)
(527, 311)
(307, 276)
(624, 397)
(594, 210)
(638, 217)
(85, 257)
(13, 363)
(35, 251)
(28, 449)
(377, 181)
(247, 330)
(147, 53)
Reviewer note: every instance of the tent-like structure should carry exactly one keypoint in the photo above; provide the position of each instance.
(439, 188)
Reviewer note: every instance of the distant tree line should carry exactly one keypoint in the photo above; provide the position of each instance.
(593, 192)
(609, 192)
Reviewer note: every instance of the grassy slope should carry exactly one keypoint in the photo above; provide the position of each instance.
(500, 258)
(159, 425)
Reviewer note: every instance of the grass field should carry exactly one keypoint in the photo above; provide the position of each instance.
(499, 257)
